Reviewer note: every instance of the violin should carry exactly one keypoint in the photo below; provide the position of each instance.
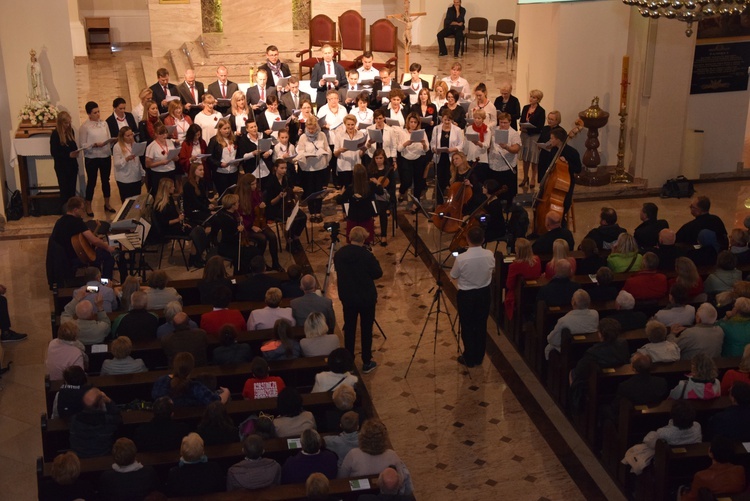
(461, 240)
(449, 215)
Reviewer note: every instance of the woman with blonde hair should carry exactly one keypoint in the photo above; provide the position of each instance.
(313, 156)
(441, 91)
(532, 121)
(702, 382)
(65, 350)
(526, 266)
(688, 276)
(239, 113)
(742, 373)
(172, 222)
(63, 148)
(128, 170)
(122, 363)
(144, 96)
(177, 119)
(624, 256)
(208, 117)
(195, 475)
(560, 252)
(317, 341)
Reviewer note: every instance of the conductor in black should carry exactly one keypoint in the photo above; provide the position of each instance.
(356, 272)
(473, 271)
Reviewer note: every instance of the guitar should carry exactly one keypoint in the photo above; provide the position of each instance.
(83, 249)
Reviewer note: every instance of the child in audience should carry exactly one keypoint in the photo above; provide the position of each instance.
(261, 385)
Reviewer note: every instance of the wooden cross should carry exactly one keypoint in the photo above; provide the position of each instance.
(407, 18)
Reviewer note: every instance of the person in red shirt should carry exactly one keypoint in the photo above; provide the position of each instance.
(647, 283)
(261, 385)
(722, 477)
(213, 321)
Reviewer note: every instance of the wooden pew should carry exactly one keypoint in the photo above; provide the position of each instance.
(124, 388)
(153, 356)
(56, 432)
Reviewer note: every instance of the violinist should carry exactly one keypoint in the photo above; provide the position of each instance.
(228, 226)
(414, 158)
(358, 199)
(223, 151)
(382, 173)
(279, 196)
(198, 207)
(252, 216)
(347, 159)
(256, 162)
(503, 158)
(477, 145)
(570, 156)
(446, 140)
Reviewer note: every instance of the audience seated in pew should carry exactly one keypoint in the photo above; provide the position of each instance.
(158, 293)
(703, 220)
(317, 487)
(340, 363)
(172, 309)
(282, 346)
(702, 382)
(647, 283)
(128, 479)
(162, 433)
(733, 421)
(741, 374)
(560, 252)
(647, 233)
(93, 277)
(667, 250)
(605, 290)
(125, 293)
(292, 419)
(214, 276)
(738, 240)
(704, 337)
(624, 256)
(641, 389)
(725, 276)
(312, 301)
(213, 321)
(194, 475)
(255, 471)
(721, 478)
(553, 224)
(605, 235)
(348, 439)
(93, 429)
(677, 310)
(591, 261)
(390, 483)
(344, 399)
(311, 459)
(266, 318)
(139, 324)
(688, 276)
(659, 348)
(316, 341)
(629, 319)
(231, 352)
(292, 288)
(580, 320)
(216, 427)
(527, 266)
(66, 470)
(558, 291)
(736, 327)
(185, 339)
(261, 385)
(69, 399)
(255, 287)
(182, 388)
(65, 350)
(707, 249)
(92, 321)
(122, 363)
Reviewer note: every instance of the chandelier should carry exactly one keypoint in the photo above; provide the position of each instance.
(688, 11)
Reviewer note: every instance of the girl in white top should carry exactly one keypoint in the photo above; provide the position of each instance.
(128, 170)
(477, 149)
(456, 80)
(313, 157)
(362, 113)
(333, 113)
(284, 149)
(177, 119)
(208, 118)
(94, 137)
(414, 157)
(441, 93)
(239, 113)
(347, 159)
(482, 102)
(145, 95)
(156, 157)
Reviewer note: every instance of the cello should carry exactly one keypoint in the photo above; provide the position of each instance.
(449, 215)
(555, 185)
(460, 240)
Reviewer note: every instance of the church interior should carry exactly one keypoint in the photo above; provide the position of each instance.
(464, 433)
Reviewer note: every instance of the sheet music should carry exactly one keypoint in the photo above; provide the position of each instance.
(292, 216)
(417, 136)
(282, 82)
(364, 125)
(472, 136)
(330, 78)
(354, 144)
(171, 129)
(501, 136)
(172, 98)
(173, 153)
(201, 156)
(138, 149)
(278, 125)
(392, 122)
(375, 135)
(265, 144)
(426, 120)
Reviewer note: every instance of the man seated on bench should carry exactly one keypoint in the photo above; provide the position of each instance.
(677, 311)
(559, 291)
(732, 422)
(705, 336)
(138, 324)
(185, 339)
(721, 478)
(605, 235)
(580, 320)
(92, 430)
(170, 310)
(214, 320)
(629, 319)
(92, 321)
(255, 471)
(162, 433)
(312, 459)
(641, 389)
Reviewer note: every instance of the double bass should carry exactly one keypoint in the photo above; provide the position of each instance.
(449, 216)
(555, 185)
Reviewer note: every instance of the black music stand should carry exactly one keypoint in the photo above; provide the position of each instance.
(415, 239)
(304, 203)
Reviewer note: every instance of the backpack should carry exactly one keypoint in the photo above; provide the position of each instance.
(679, 187)
(518, 224)
(14, 210)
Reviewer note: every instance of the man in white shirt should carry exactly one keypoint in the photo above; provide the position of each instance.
(384, 84)
(456, 80)
(367, 71)
(580, 320)
(326, 67)
(473, 271)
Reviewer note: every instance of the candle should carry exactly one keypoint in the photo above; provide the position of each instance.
(624, 83)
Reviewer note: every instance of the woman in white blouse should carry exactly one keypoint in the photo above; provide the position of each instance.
(396, 109)
(208, 118)
(223, 150)
(180, 122)
(446, 140)
(269, 116)
(157, 160)
(313, 157)
(441, 94)
(477, 147)
(239, 114)
(145, 95)
(362, 112)
(94, 137)
(414, 155)
(346, 158)
(128, 170)
(257, 162)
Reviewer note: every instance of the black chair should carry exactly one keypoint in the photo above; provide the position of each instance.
(477, 30)
(505, 29)
(162, 239)
(462, 48)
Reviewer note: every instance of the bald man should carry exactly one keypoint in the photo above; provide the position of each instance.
(92, 321)
(390, 484)
(191, 91)
(92, 430)
(667, 250)
(553, 225)
(312, 301)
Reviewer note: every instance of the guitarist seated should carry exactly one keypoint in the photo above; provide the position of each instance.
(81, 246)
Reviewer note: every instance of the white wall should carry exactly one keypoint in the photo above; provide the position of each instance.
(429, 25)
(128, 19)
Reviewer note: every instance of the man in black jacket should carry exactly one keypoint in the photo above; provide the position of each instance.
(647, 233)
(699, 208)
(356, 270)
(553, 224)
(162, 89)
(452, 26)
(605, 235)
(93, 429)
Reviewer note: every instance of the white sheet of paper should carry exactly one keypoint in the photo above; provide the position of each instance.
(99, 348)
(202, 156)
(279, 125)
(375, 135)
(442, 150)
(417, 136)
(171, 129)
(293, 443)
(265, 144)
(138, 149)
(359, 484)
(472, 136)
(501, 136)
(291, 217)
(426, 120)
(172, 98)
(392, 122)
(173, 153)
(354, 144)
(329, 78)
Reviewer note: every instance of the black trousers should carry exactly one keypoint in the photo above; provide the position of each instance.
(263, 238)
(473, 310)
(312, 182)
(156, 178)
(4, 316)
(413, 174)
(93, 167)
(67, 178)
(224, 181)
(505, 178)
(443, 169)
(128, 190)
(366, 314)
(456, 31)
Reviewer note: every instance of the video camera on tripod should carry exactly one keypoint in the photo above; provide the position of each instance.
(334, 228)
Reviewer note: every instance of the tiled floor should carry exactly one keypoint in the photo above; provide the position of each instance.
(467, 435)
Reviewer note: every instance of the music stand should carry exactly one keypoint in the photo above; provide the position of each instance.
(314, 196)
(415, 239)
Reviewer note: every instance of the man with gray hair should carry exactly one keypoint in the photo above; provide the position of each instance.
(170, 310)
(93, 277)
(704, 337)
(255, 471)
(580, 320)
(310, 460)
(559, 291)
(629, 319)
(311, 302)
(667, 251)
(93, 325)
(138, 324)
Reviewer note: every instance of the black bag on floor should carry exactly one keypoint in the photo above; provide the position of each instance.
(679, 187)
(14, 210)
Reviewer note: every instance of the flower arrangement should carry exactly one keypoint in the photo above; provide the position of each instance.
(38, 114)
